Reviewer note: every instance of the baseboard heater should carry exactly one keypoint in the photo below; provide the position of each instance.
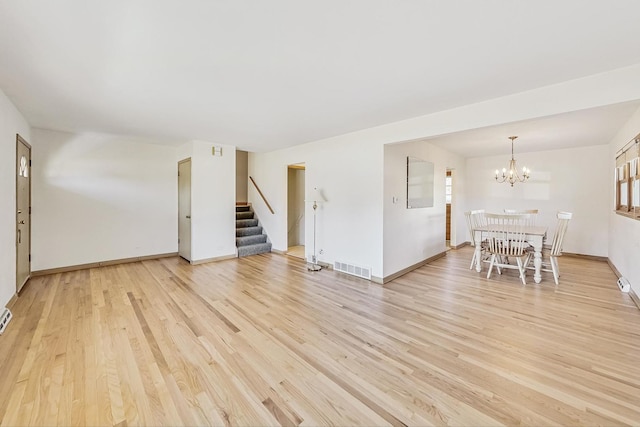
(4, 319)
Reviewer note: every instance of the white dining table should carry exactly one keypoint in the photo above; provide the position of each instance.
(534, 235)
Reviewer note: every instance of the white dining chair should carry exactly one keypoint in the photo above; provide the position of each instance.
(531, 221)
(551, 263)
(474, 220)
(526, 211)
(533, 214)
(506, 241)
(467, 217)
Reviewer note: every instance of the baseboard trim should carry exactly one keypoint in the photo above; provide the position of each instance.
(214, 259)
(404, 271)
(635, 298)
(632, 294)
(589, 257)
(278, 251)
(100, 264)
(461, 245)
(613, 267)
(12, 301)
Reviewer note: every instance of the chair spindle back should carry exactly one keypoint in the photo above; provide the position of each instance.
(532, 212)
(478, 218)
(507, 233)
(561, 230)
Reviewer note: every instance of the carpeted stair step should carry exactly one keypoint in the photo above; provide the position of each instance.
(258, 248)
(244, 215)
(251, 240)
(240, 223)
(248, 231)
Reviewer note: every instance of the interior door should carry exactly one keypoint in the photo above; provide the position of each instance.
(23, 212)
(184, 209)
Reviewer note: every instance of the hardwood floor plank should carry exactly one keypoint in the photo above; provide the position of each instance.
(262, 341)
(11, 414)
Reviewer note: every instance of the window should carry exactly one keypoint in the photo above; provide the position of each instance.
(447, 188)
(627, 178)
(23, 170)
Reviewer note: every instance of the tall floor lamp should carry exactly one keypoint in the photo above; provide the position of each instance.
(317, 198)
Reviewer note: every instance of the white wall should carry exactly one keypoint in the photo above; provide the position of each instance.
(100, 197)
(11, 123)
(413, 235)
(624, 242)
(588, 92)
(349, 167)
(349, 175)
(213, 201)
(575, 180)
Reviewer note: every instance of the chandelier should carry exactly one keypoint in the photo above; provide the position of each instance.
(511, 175)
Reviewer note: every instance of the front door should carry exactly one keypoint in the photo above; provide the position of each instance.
(184, 209)
(23, 212)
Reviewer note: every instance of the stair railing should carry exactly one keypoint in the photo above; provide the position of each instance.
(261, 195)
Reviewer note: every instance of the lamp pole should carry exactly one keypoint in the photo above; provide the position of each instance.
(314, 266)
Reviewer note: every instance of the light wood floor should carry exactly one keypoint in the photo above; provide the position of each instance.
(262, 341)
(296, 251)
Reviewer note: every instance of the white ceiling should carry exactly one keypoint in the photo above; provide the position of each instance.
(263, 75)
(595, 126)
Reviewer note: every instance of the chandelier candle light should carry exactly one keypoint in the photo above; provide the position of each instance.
(511, 175)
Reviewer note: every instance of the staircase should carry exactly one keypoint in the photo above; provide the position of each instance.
(249, 237)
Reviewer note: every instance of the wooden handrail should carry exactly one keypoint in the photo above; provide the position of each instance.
(261, 195)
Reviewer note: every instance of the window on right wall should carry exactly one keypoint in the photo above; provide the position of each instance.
(627, 178)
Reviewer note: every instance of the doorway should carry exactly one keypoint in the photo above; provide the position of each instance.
(242, 177)
(448, 191)
(184, 209)
(23, 212)
(295, 210)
